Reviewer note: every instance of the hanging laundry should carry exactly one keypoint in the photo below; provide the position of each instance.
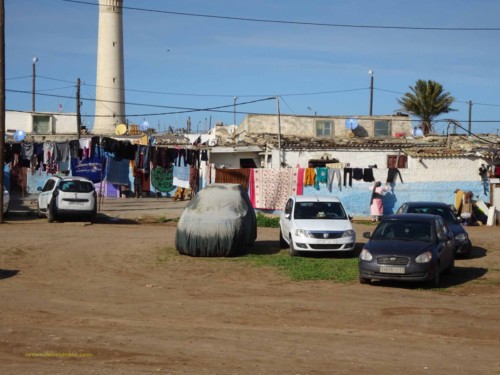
(272, 187)
(309, 177)
(233, 176)
(321, 177)
(393, 174)
(117, 170)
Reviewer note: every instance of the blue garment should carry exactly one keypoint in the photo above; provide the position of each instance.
(93, 169)
(117, 171)
(321, 176)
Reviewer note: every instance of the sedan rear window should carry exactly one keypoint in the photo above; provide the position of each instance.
(76, 187)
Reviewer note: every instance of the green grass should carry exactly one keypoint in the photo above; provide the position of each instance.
(267, 221)
(306, 268)
(301, 268)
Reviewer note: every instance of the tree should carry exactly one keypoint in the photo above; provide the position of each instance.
(427, 100)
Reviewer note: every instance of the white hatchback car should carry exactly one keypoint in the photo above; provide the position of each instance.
(316, 223)
(67, 197)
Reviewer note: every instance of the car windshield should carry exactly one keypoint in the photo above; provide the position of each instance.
(404, 230)
(76, 186)
(445, 213)
(319, 210)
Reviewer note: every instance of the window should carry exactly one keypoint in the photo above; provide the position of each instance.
(397, 161)
(49, 185)
(247, 163)
(319, 163)
(381, 128)
(42, 124)
(323, 128)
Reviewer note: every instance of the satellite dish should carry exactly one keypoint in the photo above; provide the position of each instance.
(121, 129)
(145, 125)
(351, 123)
(19, 135)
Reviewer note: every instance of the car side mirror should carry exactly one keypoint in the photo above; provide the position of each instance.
(367, 234)
(350, 217)
(287, 216)
(443, 237)
(39, 188)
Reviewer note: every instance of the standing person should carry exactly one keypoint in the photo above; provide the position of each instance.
(376, 206)
(138, 183)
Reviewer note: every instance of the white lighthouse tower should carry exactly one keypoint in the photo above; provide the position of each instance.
(110, 81)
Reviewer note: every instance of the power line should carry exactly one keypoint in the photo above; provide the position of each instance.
(312, 93)
(179, 109)
(299, 23)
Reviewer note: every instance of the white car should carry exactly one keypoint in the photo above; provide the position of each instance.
(6, 201)
(67, 197)
(316, 223)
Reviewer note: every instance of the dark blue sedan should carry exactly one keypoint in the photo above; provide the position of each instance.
(407, 247)
(463, 244)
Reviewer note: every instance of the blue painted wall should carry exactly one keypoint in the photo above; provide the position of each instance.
(356, 199)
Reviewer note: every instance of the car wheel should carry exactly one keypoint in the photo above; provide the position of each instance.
(434, 283)
(292, 250)
(363, 280)
(51, 213)
(283, 243)
(451, 267)
(38, 212)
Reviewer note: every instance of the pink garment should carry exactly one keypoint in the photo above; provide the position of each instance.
(377, 208)
(251, 184)
(300, 181)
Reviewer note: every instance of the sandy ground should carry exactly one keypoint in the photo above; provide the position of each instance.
(115, 298)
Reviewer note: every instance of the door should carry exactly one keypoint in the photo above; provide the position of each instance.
(286, 218)
(46, 194)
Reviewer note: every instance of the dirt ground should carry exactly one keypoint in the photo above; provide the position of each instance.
(115, 298)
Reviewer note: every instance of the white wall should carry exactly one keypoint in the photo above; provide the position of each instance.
(429, 169)
(61, 123)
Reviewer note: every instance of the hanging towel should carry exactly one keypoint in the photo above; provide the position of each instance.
(309, 177)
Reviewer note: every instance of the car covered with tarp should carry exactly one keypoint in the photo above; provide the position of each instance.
(218, 222)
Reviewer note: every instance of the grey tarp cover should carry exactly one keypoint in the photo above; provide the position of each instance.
(218, 222)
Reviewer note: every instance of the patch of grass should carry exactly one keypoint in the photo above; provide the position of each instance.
(267, 221)
(305, 268)
(165, 254)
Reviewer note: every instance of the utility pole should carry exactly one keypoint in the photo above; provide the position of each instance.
(370, 72)
(2, 103)
(33, 83)
(470, 117)
(78, 112)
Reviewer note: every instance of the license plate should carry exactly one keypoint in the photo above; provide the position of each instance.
(76, 203)
(392, 269)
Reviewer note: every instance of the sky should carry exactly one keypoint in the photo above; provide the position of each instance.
(184, 57)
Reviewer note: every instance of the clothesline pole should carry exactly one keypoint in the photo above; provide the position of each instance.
(100, 185)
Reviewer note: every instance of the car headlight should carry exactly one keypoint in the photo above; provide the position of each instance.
(424, 257)
(365, 255)
(301, 233)
(461, 237)
(348, 233)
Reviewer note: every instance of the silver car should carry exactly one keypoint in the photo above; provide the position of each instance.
(67, 197)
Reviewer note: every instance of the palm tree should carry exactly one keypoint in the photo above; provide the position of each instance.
(427, 101)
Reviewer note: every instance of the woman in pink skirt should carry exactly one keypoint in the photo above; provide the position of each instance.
(376, 206)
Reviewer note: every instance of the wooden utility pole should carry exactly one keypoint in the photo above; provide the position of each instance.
(2, 103)
(78, 105)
